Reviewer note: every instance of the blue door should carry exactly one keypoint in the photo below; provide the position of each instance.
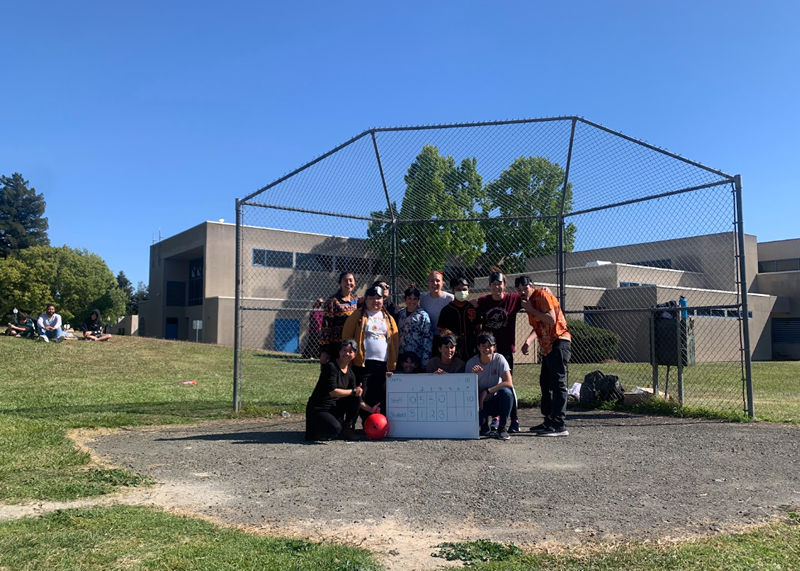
(171, 330)
(287, 335)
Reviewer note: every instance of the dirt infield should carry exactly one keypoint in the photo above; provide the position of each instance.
(617, 476)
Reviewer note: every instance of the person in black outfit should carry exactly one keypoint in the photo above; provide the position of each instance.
(334, 403)
(462, 319)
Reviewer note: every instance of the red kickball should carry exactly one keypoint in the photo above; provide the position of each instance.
(376, 426)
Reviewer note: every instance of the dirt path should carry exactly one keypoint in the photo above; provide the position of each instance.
(616, 477)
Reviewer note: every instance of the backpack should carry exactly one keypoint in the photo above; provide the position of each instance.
(598, 387)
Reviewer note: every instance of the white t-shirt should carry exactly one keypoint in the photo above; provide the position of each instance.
(492, 371)
(45, 321)
(435, 306)
(375, 337)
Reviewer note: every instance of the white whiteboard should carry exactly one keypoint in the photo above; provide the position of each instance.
(432, 406)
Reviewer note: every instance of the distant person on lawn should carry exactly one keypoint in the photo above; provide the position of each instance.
(93, 327)
(49, 324)
(24, 327)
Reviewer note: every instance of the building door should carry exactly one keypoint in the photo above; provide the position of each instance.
(287, 335)
(171, 330)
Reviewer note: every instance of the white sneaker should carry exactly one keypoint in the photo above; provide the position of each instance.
(59, 339)
(495, 423)
(44, 338)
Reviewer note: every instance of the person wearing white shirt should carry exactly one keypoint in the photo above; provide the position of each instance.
(49, 324)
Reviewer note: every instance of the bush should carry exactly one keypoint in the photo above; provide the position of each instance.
(592, 344)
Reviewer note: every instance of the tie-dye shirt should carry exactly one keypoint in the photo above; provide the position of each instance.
(415, 333)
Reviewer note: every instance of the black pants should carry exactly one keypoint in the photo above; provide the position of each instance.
(553, 382)
(329, 423)
(372, 378)
(514, 411)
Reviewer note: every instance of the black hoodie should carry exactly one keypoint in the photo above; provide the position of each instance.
(93, 326)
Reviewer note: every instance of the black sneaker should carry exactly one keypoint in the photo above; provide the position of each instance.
(514, 426)
(538, 428)
(552, 432)
(485, 430)
(503, 435)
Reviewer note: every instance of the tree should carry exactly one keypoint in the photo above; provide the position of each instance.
(529, 187)
(22, 223)
(436, 189)
(76, 281)
(126, 287)
(139, 296)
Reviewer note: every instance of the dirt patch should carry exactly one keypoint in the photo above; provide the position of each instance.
(617, 477)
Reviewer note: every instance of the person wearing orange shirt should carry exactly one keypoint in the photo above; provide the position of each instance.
(550, 326)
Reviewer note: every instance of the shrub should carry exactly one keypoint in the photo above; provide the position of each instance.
(592, 344)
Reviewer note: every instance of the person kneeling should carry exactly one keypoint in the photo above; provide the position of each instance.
(93, 327)
(335, 401)
(495, 386)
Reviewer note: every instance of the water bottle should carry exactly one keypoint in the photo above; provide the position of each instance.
(285, 414)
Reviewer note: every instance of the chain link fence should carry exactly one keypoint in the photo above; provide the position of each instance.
(643, 248)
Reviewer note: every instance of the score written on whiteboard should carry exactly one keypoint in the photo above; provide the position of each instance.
(432, 406)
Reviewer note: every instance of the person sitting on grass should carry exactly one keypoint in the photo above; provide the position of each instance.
(495, 386)
(446, 361)
(49, 324)
(24, 327)
(93, 327)
(334, 404)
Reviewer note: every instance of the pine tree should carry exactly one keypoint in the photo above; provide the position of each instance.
(22, 221)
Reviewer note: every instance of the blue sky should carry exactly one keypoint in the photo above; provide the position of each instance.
(130, 117)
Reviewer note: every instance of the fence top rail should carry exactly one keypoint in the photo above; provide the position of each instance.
(565, 118)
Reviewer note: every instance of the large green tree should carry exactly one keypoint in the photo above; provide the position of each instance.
(437, 189)
(75, 280)
(529, 187)
(126, 286)
(22, 221)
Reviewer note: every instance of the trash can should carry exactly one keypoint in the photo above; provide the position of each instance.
(666, 341)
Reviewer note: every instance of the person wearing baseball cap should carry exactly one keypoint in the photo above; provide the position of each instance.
(498, 313)
(495, 386)
(333, 405)
(375, 333)
(446, 361)
(461, 318)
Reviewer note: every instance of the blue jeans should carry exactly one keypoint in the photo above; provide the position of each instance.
(52, 334)
(499, 405)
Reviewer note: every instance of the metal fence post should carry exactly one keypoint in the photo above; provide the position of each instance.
(393, 245)
(561, 258)
(745, 312)
(237, 345)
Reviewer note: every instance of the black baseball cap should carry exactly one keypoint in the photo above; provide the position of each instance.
(486, 338)
(523, 281)
(497, 277)
(375, 291)
(351, 342)
(457, 281)
(449, 340)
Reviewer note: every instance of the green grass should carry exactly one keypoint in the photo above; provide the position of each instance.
(142, 538)
(51, 388)
(48, 389)
(774, 547)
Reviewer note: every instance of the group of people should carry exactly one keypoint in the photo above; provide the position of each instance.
(364, 341)
(49, 327)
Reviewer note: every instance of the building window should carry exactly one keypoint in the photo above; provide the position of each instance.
(362, 266)
(272, 258)
(314, 262)
(176, 294)
(196, 282)
(787, 265)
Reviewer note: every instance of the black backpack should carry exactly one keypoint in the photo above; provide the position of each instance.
(597, 387)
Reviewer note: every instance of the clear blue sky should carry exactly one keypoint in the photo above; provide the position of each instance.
(153, 115)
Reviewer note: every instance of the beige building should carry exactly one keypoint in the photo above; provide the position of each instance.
(192, 281)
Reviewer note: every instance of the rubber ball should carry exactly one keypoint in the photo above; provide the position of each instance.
(376, 426)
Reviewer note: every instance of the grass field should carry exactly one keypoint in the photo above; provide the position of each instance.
(48, 389)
